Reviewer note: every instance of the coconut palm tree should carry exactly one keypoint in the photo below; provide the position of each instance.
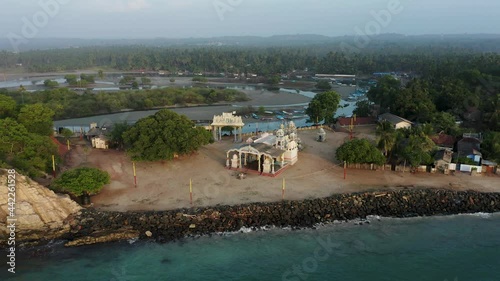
(387, 136)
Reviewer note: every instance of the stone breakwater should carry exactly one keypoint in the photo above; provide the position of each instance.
(94, 226)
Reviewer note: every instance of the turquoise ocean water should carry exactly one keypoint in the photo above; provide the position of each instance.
(453, 248)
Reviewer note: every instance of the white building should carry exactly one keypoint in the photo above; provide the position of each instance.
(396, 121)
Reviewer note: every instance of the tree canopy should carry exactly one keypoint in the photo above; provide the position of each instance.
(385, 92)
(67, 133)
(117, 133)
(359, 151)
(24, 141)
(27, 152)
(323, 107)
(50, 83)
(445, 122)
(81, 181)
(364, 108)
(414, 102)
(200, 79)
(491, 146)
(70, 104)
(414, 146)
(387, 136)
(163, 135)
(37, 119)
(8, 107)
(324, 85)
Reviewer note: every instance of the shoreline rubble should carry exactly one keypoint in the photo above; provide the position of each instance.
(93, 226)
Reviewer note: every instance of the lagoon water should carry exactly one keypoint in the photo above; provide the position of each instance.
(346, 108)
(454, 248)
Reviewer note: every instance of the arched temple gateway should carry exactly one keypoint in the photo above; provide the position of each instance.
(267, 155)
(227, 120)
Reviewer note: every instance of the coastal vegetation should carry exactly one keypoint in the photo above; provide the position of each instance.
(412, 145)
(116, 135)
(364, 108)
(359, 151)
(323, 85)
(66, 103)
(37, 118)
(50, 83)
(472, 98)
(451, 104)
(386, 137)
(8, 107)
(24, 138)
(84, 80)
(81, 181)
(163, 136)
(323, 107)
(200, 79)
(491, 146)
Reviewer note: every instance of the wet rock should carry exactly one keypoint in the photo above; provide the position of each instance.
(178, 224)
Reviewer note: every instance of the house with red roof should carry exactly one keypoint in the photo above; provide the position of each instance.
(444, 141)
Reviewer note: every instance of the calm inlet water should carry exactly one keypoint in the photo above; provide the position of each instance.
(464, 247)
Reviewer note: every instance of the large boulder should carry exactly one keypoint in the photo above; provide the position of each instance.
(41, 214)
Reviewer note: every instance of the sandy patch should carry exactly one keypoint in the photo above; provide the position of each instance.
(165, 185)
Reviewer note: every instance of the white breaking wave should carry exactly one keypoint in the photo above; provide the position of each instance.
(481, 215)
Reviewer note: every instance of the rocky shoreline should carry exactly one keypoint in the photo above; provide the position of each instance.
(93, 226)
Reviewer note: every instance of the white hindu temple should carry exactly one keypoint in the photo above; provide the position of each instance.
(268, 154)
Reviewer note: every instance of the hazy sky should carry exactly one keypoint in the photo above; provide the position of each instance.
(208, 18)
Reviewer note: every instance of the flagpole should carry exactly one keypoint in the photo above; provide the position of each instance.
(283, 190)
(345, 169)
(54, 165)
(135, 174)
(191, 191)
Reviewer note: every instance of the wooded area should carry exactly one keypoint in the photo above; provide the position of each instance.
(67, 103)
(434, 61)
(24, 138)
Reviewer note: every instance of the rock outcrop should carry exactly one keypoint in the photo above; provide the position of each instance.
(41, 214)
(92, 225)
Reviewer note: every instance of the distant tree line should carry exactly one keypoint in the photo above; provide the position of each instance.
(379, 56)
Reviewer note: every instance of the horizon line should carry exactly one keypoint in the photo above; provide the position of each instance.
(262, 36)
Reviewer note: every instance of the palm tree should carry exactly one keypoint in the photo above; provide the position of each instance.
(387, 136)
